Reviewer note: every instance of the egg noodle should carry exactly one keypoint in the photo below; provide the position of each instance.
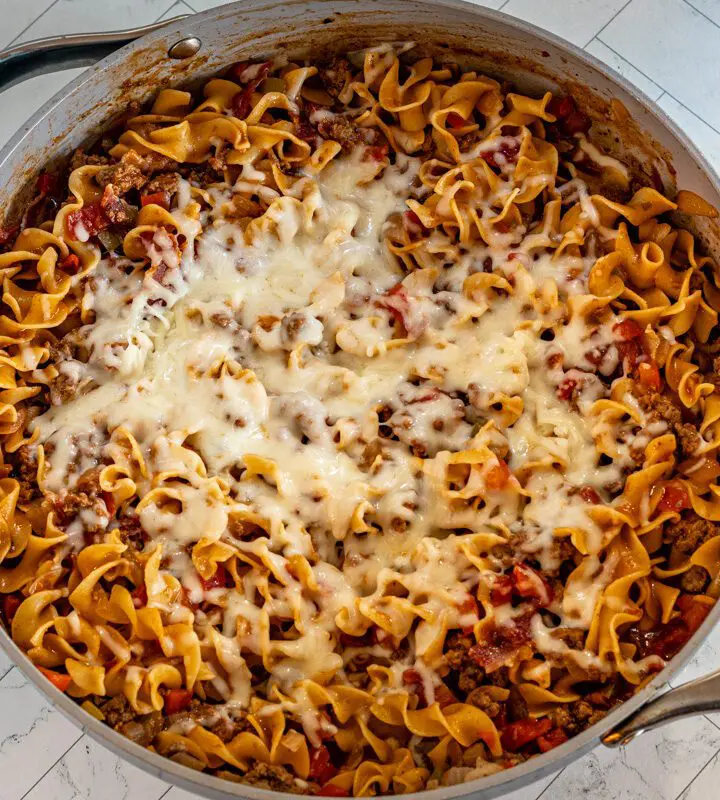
(360, 426)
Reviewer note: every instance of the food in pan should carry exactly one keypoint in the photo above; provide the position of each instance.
(359, 424)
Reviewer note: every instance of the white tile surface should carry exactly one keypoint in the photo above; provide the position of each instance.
(706, 138)
(676, 47)
(625, 68)
(87, 766)
(576, 20)
(33, 735)
(75, 16)
(669, 50)
(656, 766)
(21, 15)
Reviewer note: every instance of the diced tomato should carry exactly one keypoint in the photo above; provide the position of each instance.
(468, 606)
(11, 603)
(57, 679)
(86, 222)
(502, 590)
(561, 107)
(501, 643)
(497, 477)
(412, 224)
(376, 152)
(332, 790)
(70, 264)
(139, 596)
(649, 375)
(674, 498)
(577, 122)
(109, 501)
(589, 495)
(177, 700)
(47, 183)
(396, 301)
(219, 579)
(161, 199)
(443, 695)
(518, 734)
(627, 329)
(454, 120)
(694, 611)
(508, 150)
(8, 234)
(321, 768)
(669, 640)
(566, 388)
(530, 584)
(553, 738)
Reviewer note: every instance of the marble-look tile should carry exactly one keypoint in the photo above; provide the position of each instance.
(710, 8)
(705, 785)
(533, 791)
(625, 68)
(17, 16)
(33, 735)
(676, 47)
(707, 140)
(576, 20)
(20, 102)
(656, 766)
(86, 767)
(83, 16)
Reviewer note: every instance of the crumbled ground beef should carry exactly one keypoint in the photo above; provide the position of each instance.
(694, 580)
(164, 182)
(574, 638)
(335, 76)
(689, 532)
(271, 777)
(469, 675)
(81, 159)
(659, 407)
(575, 717)
(342, 130)
(517, 707)
(482, 699)
(127, 174)
(117, 710)
(24, 463)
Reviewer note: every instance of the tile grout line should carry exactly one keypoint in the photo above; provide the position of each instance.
(702, 13)
(500, 7)
(52, 766)
(712, 722)
(614, 16)
(697, 775)
(665, 91)
(631, 65)
(42, 14)
(7, 672)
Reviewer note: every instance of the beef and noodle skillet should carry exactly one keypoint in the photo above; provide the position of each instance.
(360, 425)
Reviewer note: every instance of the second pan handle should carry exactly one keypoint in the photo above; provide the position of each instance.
(40, 56)
(696, 697)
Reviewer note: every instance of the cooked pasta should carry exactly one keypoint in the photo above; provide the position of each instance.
(360, 426)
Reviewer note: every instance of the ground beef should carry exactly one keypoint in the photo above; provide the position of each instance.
(688, 439)
(659, 408)
(469, 140)
(229, 726)
(340, 129)
(127, 174)
(335, 76)
(517, 707)
(574, 638)
(25, 465)
(575, 717)
(131, 531)
(266, 776)
(689, 532)
(482, 699)
(468, 674)
(86, 494)
(694, 580)
(81, 159)
(142, 730)
(164, 182)
(117, 710)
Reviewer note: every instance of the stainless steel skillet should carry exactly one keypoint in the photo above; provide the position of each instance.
(189, 50)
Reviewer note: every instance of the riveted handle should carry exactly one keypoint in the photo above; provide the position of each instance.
(696, 697)
(40, 56)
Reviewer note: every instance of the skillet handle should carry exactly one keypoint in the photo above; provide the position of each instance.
(40, 56)
(696, 697)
